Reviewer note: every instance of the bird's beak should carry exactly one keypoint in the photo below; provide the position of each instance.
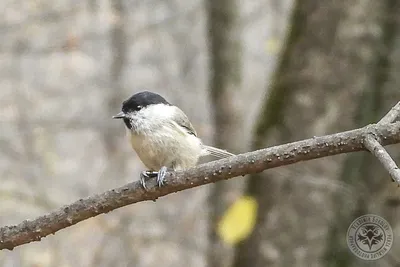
(120, 115)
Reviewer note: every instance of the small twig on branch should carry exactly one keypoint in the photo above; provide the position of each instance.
(392, 115)
(248, 163)
(383, 156)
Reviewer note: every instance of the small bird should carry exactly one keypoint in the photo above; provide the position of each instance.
(162, 136)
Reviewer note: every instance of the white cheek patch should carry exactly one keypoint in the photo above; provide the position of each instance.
(152, 117)
(157, 112)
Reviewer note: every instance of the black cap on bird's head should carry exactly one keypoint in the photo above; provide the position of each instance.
(138, 101)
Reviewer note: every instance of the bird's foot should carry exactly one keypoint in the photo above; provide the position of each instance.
(161, 175)
(145, 175)
(150, 174)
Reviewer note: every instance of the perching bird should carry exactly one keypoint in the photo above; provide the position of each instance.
(162, 136)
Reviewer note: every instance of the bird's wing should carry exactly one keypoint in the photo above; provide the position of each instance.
(216, 152)
(182, 120)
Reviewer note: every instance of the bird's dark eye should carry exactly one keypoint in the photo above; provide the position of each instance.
(139, 107)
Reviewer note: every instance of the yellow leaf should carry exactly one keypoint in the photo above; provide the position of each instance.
(238, 221)
(273, 45)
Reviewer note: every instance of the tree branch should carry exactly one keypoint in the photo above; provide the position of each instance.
(373, 144)
(392, 115)
(252, 162)
(383, 156)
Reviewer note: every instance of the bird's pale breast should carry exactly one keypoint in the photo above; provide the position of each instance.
(166, 147)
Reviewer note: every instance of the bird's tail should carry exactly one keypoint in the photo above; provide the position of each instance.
(216, 152)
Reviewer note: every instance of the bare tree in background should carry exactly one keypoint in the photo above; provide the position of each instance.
(225, 81)
(361, 171)
(112, 138)
(270, 118)
(321, 74)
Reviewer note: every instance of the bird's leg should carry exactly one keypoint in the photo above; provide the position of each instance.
(145, 175)
(161, 175)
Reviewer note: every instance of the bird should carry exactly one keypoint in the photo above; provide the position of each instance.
(162, 136)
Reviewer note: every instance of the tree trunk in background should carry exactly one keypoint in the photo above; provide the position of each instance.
(270, 118)
(112, 136)
(225, 82)
(114, 100)
(325, 69)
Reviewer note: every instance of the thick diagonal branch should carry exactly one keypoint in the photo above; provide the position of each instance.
(252, 162)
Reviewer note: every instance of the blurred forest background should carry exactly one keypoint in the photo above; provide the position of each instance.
(249, 74)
